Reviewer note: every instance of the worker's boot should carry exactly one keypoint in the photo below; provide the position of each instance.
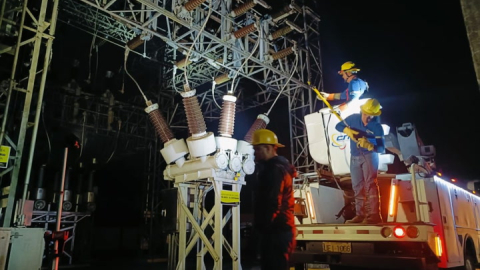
(356, 219)
(373, 219)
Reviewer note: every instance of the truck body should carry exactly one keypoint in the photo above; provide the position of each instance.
(428, 222)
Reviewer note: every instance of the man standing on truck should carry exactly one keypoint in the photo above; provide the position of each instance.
(274, 201)
(356, 86)
(366, 141)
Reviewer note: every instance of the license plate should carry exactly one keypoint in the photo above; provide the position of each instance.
(337, 247)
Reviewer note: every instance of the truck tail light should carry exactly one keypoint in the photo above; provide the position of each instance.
(399, 232)
(412, 232)
(386, 232)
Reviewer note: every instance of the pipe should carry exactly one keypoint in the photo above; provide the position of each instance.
(59, 210)
(56, 184)
(41, 176)
(91, 178)
(78, 191)
(67, 186)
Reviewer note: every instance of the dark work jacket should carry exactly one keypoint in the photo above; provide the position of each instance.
(274, 201)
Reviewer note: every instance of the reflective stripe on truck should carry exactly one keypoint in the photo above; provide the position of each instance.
(390, 232)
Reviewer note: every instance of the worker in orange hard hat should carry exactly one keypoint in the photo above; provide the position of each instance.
(356, 86)
(366, 142)
(273, 201)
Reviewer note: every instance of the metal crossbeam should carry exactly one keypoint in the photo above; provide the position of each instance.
(220, 49)
(83, 16)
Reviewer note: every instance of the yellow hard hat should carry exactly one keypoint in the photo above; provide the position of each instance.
(371, 107)
(348, 66)
(265, 136)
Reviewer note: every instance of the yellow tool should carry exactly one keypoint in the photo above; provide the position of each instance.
(328, 104)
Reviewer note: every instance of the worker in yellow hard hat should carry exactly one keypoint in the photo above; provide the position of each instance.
(356, 86)
(273, 201)
(366, 142)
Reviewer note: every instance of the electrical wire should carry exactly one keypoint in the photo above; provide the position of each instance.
(45, 128)
(328, 105)
(213, 93)
(284, 85)
(90, 59)
(195, 40)
(173, 79)
(327, 138)
(83, 135)
(96, 64)
(116, 143)
(127, 51)
(91, 48)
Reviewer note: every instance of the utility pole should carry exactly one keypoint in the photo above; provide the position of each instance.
(471, 16)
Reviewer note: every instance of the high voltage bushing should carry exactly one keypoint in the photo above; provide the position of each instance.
(135, 42)
(183, 63)
(243, 8)
(280, 32)
(283, 53)
(222, 78)
(196, 123)
(260, 123)
(227, 116)
(283, 31)
(286, 11)
(159, 123)
(244, 31)
(192, 4)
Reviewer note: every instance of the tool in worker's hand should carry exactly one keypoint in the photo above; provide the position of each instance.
(325, 95)
(328, 104)
(364, 143)
(350, 133)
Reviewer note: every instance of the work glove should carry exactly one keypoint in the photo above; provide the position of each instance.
(325, 95)
(364, 143)
(350, 133)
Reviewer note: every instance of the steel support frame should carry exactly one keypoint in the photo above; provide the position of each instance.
(208, 47)
(302, 101)
(94, 115)
(199, 219)
(143, 21)
(178, 29)
(44, 33)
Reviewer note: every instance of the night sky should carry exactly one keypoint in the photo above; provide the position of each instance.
(417, 61)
